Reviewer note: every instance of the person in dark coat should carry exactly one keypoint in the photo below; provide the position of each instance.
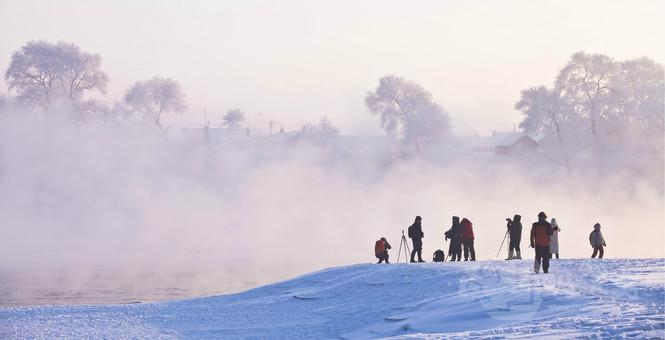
(416, 235)
(381, 250)
(515, 234)
(467, 240)
(455, 236)
(541, 232)
(597, 242)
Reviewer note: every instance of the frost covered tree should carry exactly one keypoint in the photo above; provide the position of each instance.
(233, 118)
(96, 110)
(585, 83)
(42, 72)
(327, 128)
(598, 100)
(407, 110)
(641, 90)
(613, 108)
(154, 97)
(324, 131)
(541, 109)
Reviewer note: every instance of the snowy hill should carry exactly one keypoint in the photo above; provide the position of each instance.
(603, 298)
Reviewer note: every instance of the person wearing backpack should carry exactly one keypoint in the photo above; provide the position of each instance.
(467, 240)
(455, 236)
(381, 250)
(515, 233)
(597, 242)
(554, 243)
(416, 235)
(541, 232)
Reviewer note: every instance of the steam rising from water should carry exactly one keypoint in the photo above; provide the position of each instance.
(230, 215)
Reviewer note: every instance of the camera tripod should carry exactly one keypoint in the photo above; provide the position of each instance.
(407, 251)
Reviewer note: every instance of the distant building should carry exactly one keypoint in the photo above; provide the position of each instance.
(517, 146)
(507, 143)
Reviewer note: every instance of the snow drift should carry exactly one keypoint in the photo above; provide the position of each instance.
(603, 298)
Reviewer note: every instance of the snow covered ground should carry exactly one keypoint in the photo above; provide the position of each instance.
(486, 299)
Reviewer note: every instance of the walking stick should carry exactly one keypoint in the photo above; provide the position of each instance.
(501, 246)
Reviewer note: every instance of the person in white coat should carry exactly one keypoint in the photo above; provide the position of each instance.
(554, 240)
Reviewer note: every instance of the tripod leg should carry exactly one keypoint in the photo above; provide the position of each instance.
(400, 251)
(408, 250)
(502, 242)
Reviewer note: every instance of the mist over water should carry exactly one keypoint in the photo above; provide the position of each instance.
(133, 211)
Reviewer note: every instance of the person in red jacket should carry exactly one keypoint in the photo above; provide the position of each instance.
(541, 233)
(381, 250)
(467, 240)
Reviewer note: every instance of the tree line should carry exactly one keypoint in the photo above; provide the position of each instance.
(600, 106)
(46, 76)
(595, 102)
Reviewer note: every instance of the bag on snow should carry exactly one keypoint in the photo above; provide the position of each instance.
(379, 247)
(439, 256)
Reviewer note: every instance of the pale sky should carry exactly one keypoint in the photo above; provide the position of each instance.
(292, 61)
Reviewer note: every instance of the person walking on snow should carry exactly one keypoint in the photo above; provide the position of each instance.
(381, 250)
(515, 233)
(455, 236)
(416, 235)
(541, 233)
(554, 242)
(597, 242)
(467, 240)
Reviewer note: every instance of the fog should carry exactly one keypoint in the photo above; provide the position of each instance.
(77, 199)
(303, 58)
(103, 185)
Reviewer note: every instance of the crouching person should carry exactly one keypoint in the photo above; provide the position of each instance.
(381, 250)
(597, 242)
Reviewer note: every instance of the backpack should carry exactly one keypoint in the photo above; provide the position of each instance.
(379, 247)
(439, 256)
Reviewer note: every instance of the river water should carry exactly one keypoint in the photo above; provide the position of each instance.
(113, 286)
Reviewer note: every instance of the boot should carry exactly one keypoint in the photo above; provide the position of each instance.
(518, 257)
(510, 255)
(420, 256)
(536, 266)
